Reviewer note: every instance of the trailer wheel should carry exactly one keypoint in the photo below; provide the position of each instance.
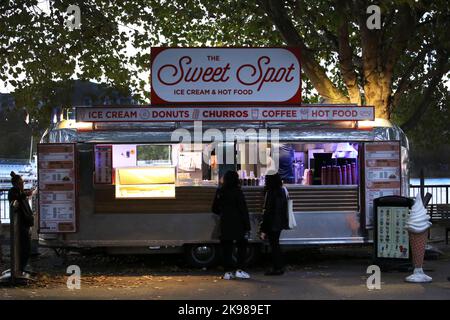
(201, 255)
(253, 252)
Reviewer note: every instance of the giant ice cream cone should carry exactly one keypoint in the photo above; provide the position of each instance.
(418, 224)
(418, 242)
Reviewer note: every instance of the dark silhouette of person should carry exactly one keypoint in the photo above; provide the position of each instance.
(20, 208)
(229, 203)
(275, 219)
(286, 161)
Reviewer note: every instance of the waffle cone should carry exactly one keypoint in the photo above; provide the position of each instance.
(418, 242)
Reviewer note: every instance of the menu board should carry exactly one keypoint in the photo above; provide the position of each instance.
(103, 164)
(382, 173)
(392, 237)
(57, 188)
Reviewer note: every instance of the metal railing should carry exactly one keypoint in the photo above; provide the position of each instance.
(4, 206)
(439, 192)
(438, 207)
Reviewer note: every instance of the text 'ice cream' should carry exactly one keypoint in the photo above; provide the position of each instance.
(418, 220)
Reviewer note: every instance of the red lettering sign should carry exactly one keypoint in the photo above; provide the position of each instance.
(225, 75)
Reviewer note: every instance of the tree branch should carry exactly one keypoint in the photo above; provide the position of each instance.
(402, 33)
(405, 83)
(443, 66)
(370, 44)
(314, 24)
(345, 58)
(316, 74)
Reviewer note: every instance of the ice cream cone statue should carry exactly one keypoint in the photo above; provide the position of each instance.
(418, 224)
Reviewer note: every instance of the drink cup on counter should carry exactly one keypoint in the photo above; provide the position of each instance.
(339, 175)
(329, 175)
(310, 177)
(354, 174)
(334, 169)
(417, 224)
(344, 174)
(323, 176)
(349, 174)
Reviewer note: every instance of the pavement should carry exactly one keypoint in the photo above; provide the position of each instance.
(327, 273)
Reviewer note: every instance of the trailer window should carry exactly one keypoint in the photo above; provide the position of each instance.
(299, 163)
(196, 164)
(153, 155)
(154, 170)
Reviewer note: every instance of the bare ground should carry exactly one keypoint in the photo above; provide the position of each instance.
(328, 273)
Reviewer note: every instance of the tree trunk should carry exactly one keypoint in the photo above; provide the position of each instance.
(377, 92)
(377, 80)
(345, 55)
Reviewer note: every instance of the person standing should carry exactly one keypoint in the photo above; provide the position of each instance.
(275, 219)
(20, 207)
(229, 203)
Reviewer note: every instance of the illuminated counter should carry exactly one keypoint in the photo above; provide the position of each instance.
(145, 182)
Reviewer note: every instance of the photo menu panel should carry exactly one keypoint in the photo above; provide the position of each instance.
(382, 173)
(57, 188)
(103, 164)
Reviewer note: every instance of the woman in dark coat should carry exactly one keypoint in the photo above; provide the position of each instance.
(229, 203)
(275, 219)
(18, 200)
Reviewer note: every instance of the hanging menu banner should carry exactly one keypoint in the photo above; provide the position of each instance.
(235, 113)
(382, 173)
(57, 188)
(103, 164)
(225, 75)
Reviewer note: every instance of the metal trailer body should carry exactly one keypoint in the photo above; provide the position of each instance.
(140, 232)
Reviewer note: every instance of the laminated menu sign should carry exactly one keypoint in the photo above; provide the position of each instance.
(57, 188)
(382, 173)
(392, 237)
(103, 164)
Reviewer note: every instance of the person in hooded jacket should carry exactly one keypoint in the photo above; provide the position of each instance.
(275, 219)
(20, 207)
(229, 203)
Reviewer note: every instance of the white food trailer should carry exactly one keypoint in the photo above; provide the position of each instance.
(129, 180)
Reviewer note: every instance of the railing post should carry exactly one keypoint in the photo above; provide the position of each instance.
(446, 197)
(422, 183)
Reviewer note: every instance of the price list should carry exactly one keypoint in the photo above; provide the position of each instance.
(57, 188)
(382, 173)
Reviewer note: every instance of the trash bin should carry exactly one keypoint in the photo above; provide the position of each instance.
(391, 240)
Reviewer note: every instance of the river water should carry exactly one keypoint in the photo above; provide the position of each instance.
(430, 181)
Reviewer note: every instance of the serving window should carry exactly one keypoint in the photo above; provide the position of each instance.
(156, 170)
(145, 171)
(299, 163)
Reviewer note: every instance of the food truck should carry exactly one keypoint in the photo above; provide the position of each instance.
(141, 179)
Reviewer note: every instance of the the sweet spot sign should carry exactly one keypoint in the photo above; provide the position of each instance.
(225, 75)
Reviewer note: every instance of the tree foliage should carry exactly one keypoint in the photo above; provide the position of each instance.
(15, 135)
(401, 68)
